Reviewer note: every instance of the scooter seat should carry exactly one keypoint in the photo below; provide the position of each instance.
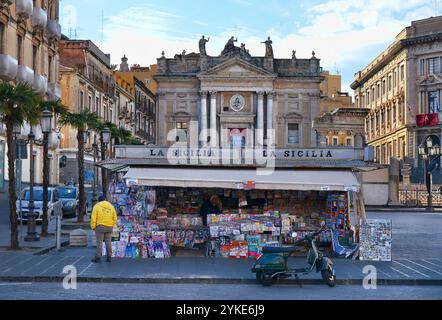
(279, 249)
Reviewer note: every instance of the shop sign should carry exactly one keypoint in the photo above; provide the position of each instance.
(325, 188)
(248, 185)
(351, 188)
(248, 154)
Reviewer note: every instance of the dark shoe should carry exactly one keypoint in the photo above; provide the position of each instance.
(109, 259)
(96, 260)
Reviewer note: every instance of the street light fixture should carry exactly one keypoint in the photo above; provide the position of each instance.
(31, 235)
(46, 122)
(429, 152)
(106, 135)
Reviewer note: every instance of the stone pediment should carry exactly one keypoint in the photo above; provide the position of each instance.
(236, 68)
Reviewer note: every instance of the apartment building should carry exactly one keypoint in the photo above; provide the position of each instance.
(29, 53)
(401, 87)
(87, 83)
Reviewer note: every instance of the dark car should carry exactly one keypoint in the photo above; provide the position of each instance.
(69, 198)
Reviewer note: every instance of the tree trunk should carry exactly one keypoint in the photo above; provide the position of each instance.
(44, 226)
(12, 191)
(82, 195)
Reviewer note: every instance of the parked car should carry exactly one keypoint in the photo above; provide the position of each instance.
(69, 198)
(54, 203)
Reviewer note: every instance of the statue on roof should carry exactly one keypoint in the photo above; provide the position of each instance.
(202, 45)
(269, 48)
(230, 46)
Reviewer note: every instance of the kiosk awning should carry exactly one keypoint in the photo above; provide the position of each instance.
(319, 180)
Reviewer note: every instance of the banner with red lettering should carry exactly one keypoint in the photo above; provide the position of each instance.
(426, 120)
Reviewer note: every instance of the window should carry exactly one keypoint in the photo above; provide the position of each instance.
(384, 83)
(81, 100)
(90, 103)
(335, 141)
(19, 49)
(34, 58)
(97, 105)
(50, 63)
(293, 133)
(433, 102)
(2, 37)
(348, 142)
(402, 75)
(368, 98)
(181, 131)
(390, 83)
(394, 79)
(434, 65)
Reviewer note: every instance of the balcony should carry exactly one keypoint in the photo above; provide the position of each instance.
(40, 83)
(24, 8)
(25, 75)
(53, 30)
(39, 19)
(8, 67)
(54, 91)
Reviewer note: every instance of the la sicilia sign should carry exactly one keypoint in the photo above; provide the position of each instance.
(243, 153)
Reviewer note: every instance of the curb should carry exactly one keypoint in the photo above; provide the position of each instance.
(49, 249)
(112, 280)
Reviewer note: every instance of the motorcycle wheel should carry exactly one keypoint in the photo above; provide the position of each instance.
(265, 279)
(328, 277)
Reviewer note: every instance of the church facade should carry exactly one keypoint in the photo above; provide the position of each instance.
(235, 99)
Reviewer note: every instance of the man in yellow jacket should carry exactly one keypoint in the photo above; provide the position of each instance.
(104, 218)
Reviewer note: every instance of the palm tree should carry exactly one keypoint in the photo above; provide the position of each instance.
(17, 105)
(81, 122)
(56, 108)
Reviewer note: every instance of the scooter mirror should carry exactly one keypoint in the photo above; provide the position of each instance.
(294, 234)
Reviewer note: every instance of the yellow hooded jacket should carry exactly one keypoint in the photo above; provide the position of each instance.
(103, 214)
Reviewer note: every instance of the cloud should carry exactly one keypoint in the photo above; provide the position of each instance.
(344, 34)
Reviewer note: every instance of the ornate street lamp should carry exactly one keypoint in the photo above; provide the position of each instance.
(429, 152)
(106, 135)
(46, 122)
(31, 235)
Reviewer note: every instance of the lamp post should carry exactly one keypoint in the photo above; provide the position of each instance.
(105, 139)
(31, 235)
(429, 152)
(46, 126)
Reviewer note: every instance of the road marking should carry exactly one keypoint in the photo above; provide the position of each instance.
(433, 214)
(4, 271)
(436, 265)
(72, 264)
(385, 273)
(16, 284)
(400, 272)
(85, 269)
(35, 265)
(44, 271)
(425, 267)
(426, 276)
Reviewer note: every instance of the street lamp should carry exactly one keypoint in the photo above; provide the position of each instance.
(105, 139)
(46, 122)
(429, 152)
(31, 235)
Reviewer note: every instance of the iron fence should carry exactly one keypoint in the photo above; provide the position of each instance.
(417, 196)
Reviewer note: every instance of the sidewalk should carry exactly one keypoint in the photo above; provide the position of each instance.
(26, 267)
(39, 247)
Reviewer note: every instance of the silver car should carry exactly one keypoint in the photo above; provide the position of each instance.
(54, 204)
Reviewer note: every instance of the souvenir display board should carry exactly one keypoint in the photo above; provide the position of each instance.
(375, 240)
(250, 219)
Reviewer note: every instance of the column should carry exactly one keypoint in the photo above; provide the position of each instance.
(260, 119)
(270, 134)
(213, 115)
(203, 118)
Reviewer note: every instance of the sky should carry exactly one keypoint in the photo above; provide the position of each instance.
(345, 34)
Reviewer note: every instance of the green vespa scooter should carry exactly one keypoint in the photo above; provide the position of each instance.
(273, 263)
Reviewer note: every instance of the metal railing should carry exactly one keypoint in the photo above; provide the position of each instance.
(417, 196)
